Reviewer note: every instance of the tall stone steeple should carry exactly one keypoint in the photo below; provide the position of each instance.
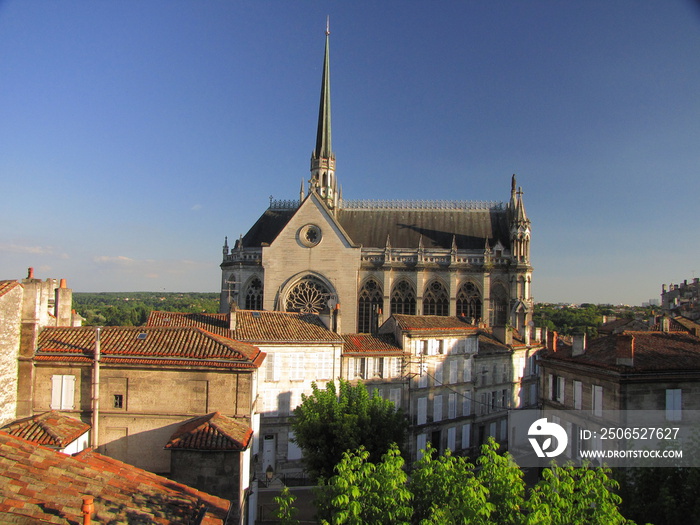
(323, 180)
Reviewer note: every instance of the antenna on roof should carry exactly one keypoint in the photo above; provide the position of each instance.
(328, 25)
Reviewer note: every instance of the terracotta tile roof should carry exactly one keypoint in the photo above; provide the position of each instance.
(211, 432)
(147, 345)
(371, 344)
(37, 483)
(489, 344)
(653, 351)
(433, 322)
(51, 429)
(6, 286)
(254, 326)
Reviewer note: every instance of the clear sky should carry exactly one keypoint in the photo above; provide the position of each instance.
(135, 135)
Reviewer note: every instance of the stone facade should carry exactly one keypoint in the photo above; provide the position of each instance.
(10, 322)
(358, 262)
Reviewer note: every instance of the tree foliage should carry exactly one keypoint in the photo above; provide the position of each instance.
(133, 308)
(285, 507)
(331, 421)
(367, 493)
(446, 489)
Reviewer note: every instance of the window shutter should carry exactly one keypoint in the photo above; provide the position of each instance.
(437, 408)
(452, 406)
(467, 404)
(56, 388)
(466, 435)
(451, 438)
(422, 410)
(421, 440)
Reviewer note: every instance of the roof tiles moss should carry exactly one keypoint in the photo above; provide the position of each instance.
(213, 432)
(51, 429)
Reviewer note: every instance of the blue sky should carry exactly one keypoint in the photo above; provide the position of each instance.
(135, 135)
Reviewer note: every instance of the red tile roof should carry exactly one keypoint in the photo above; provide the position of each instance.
(37, 483)
(653, 351)
(254, 326)
(211, 432)
(51, 429)
(433, 322)
(371, 344)
(186, 346)
(6, 286)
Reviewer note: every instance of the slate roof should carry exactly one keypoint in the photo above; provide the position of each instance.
(653, 352)
(51, 429)
(370, 344)
(433, 322)
(177, 346)
(212, 432)
(6, 286)
(471, 228)
(40, 485)
(254, 326)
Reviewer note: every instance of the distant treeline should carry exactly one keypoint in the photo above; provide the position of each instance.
(133, 308)
(586, 318)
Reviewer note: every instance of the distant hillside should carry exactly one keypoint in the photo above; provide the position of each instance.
(133, 308)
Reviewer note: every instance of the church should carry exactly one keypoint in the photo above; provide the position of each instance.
(356, 262)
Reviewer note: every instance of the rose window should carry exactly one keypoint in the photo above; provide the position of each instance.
(308, 296)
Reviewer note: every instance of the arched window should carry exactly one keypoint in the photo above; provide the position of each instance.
(310, 295)
(403, 298)
(469, 301)
(369, 307)
(435, 300)
(254, 295)
(499, 304)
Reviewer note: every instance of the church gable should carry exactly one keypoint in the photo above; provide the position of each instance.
(311, 226)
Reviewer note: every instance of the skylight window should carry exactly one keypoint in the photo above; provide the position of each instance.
(256, 315)
(142, 336)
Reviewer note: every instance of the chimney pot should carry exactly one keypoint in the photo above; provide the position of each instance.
(552, 338)
(63, 284)
(30, 273)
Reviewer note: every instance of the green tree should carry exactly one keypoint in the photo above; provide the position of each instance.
(503, 479)
(330, 422)
(285, 507)
(364, 493)
(445, 490)
(575, 496)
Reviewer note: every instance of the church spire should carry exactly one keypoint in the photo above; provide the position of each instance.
(323, 159)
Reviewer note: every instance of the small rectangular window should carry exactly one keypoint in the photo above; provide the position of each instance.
(118, 401)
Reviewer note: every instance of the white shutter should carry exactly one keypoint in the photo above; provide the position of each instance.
(395, 397)
(422, 410)
(560, 388)
(673, 404)
(550, 382)
(454, 370)
(68, 393)
(452, 406)
(56, 388)
(467, 404)
(597, 400)
(421, 440)
(467, 370)
(578, 394)
(438, 373)
(466, 435)
(451, 438)
(437, 408)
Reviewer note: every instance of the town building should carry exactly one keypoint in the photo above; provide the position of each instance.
(358, 262)
(653, 370)
(26, 307)
(682, 299)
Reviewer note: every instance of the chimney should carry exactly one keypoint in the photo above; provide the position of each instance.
(63, 304)
(232, 317)
(665, 324)
(624, 350)
(552, 338)
(579, 345)
(30, 273)
(87, 509)
(504, 334)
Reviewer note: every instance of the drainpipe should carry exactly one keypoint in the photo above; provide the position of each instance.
(96, 390)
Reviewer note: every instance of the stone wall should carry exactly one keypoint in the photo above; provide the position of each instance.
(10, 308)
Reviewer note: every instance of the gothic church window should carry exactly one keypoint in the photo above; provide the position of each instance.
(403, 298)
(369, 307)
(436, 301)
(310, 295)
(469, 301)
(254, 295)
(499, 300)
